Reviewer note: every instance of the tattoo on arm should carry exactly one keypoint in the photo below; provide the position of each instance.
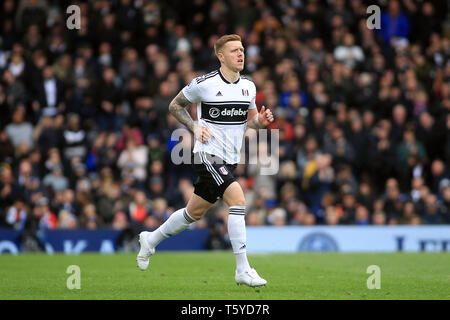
(177, 109)
(254, 123)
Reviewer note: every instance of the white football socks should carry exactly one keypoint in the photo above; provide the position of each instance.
(238, 238)
(180, 220)
(177, 222)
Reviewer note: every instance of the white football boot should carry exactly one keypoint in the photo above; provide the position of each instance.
(251, 278)
(143, 257)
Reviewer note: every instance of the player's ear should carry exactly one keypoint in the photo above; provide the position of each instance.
(219, 56)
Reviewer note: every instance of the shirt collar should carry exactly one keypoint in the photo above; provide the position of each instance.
(225, 80)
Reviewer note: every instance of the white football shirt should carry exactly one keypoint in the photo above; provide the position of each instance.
(222, 106)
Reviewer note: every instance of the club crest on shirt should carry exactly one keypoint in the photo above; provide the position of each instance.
(244, 92)
(223, 170)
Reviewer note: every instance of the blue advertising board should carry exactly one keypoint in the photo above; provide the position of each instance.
(186, 241)
(9, 241)
(77, 241)
(427, 238)
(259, 239)
(101, 240)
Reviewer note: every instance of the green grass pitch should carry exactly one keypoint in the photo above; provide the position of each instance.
(210, 276)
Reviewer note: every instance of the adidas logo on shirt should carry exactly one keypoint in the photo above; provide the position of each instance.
(219, 94)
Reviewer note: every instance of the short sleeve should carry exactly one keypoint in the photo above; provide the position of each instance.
(253, 101)
(192, 91)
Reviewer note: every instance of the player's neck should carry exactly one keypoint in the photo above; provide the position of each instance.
(228, 74)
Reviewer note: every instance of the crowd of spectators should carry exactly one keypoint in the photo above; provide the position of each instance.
(363, 114)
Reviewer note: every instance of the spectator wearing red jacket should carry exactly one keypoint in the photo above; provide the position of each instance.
(47, 219)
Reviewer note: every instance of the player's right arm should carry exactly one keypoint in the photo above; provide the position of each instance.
(178, 109)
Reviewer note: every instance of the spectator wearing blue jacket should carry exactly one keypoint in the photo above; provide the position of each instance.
(394, 24)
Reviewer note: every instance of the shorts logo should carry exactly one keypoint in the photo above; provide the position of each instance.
(223, 170)
(214, 112)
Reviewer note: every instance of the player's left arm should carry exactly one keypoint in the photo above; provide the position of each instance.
(259, 120)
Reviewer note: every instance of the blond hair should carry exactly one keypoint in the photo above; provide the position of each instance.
(224, 39)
